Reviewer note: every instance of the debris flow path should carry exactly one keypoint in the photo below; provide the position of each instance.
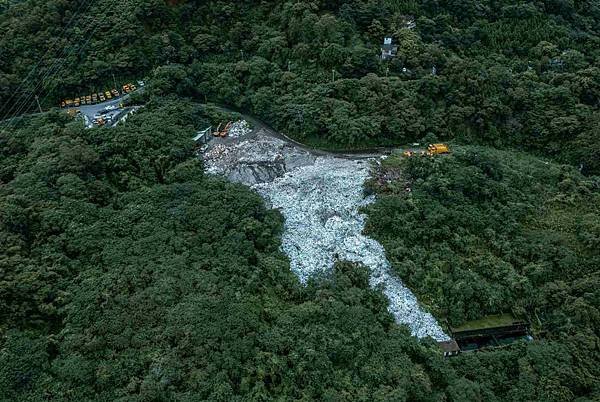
(320, 198)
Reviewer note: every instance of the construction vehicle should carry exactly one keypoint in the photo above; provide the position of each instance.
(225, 131)
(94, 98)
(101, 97)
(108, 95)
(432, 149)
(437, 149)
(82, 100)
(88, 99)
(100, 121)
(126, 88)
(115, 93)
(68, 102)
(217, 131)
(132, 87)
(221, 130)
(76, 102)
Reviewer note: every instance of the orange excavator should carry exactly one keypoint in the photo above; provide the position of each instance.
(222, 132)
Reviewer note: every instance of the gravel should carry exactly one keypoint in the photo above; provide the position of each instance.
(320, 198)
(255, 160)
(239, 129)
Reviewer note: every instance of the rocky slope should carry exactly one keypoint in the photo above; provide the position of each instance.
(320, 198)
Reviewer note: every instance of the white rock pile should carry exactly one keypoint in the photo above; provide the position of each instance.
(320, 203)
(239, 129)
(320, 199)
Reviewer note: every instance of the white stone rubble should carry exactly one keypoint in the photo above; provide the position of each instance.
(320, 198)
(239, 129)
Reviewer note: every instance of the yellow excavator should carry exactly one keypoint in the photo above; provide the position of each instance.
(437, 149)
(432, 149)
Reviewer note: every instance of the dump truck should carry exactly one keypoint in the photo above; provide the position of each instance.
(126, 88)
(88, 99)
(114, 93)
(101, 97)
(437, 149)
(94, 98)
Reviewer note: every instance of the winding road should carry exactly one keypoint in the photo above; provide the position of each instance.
(344, 154)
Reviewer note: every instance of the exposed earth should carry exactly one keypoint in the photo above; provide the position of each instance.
(320, 196)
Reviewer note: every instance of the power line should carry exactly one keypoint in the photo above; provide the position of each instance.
(63, 33)
(55, 67)
(59, 63)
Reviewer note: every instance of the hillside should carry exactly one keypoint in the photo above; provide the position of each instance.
(487, 232)
(130, 272)
(501, 73)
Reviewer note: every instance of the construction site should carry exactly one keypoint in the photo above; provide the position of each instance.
(99, 97)
(103, 109)
(320, 195)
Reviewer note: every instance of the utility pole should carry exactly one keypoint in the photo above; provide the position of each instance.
(115, 81)
(289, 65)
(37, 100)
(333, 73)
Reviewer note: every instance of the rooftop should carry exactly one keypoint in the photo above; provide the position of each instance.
(490, 321)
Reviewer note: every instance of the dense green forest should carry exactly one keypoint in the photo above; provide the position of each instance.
(483, 232)
(507, 73)
(127, 274)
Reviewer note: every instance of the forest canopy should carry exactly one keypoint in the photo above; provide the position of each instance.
(501, 73)
(127, 274)
(485, 232)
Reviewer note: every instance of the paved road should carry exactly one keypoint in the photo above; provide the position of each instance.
(112, 117)
(345, 154)
(89, 111)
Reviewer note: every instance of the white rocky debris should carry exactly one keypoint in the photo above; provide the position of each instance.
(320, 198)
(254, 160)
(239, 129)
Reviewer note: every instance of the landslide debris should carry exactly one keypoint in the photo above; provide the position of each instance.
(320, 198)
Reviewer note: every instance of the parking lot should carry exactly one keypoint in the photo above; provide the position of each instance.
(110, 112)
